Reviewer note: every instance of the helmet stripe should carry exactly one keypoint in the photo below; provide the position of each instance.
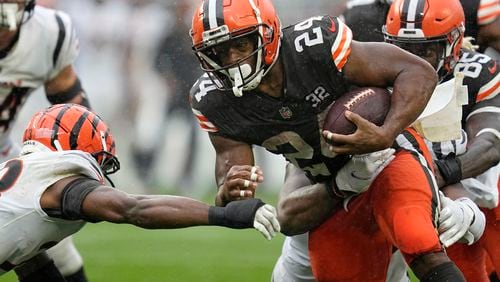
(75, 131)
(95, 123)
(56, 125)
(206, 24)
(412, 14)
(212, 14)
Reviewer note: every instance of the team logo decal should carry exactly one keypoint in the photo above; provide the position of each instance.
(285, 112)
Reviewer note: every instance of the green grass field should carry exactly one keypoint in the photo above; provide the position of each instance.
(125, 253)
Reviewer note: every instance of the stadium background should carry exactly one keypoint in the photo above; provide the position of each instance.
(124, 253)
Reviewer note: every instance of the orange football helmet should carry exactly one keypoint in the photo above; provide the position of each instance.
(218, 21)
(415, 25)
(73, 127)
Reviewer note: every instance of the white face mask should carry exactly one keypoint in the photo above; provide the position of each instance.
(244, 76)
(10, 15)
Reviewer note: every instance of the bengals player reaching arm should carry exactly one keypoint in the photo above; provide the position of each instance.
(58, 184)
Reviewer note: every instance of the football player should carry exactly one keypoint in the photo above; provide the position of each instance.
(482, 21)
(460, 166)
(271, 87)
(57, 185)
(37, 48)
(480, 115)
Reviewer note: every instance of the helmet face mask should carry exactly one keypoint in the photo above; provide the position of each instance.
(433, 24)
(72, 127)
(213, 60)
(220, 24)
(13, 13)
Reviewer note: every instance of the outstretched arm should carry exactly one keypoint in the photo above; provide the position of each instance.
(79, 197)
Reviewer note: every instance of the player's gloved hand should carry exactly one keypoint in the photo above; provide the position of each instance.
(460, 221)
(266, 221)
(246, 214)
(358, 173)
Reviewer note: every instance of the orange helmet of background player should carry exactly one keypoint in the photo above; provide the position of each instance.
(73, 127)
(419, 22)
(217, 21)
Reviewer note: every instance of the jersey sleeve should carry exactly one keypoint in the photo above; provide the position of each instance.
(482, 77)
(67, 45)
(323, 37)
(197, 97)
(488, 11)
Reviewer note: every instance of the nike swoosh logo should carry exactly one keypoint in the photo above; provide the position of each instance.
(493, 68)
(353, 174)
(332, 28)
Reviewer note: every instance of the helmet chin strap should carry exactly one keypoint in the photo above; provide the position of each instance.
(12, 15)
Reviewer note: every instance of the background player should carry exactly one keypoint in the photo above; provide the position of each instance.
(482, 21)
(58, 184)
(459, 161)
(24, 28)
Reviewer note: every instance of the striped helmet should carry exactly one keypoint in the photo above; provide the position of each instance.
(219, 21)
(414, 25)
(73, 127)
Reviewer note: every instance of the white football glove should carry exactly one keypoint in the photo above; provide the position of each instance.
(266, 221)
(460, 221)
(358, 173)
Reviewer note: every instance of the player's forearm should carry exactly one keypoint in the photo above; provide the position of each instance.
(304, 209)
(412, 90)
(167, 212)
(481, 155)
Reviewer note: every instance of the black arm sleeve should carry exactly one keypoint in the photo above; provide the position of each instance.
(236, 214)
(73, 196)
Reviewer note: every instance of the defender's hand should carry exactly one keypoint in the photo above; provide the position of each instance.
(266, 221)
(240, 183)
(247, 214)
(359, 172)
(460, 221)
(367, 138)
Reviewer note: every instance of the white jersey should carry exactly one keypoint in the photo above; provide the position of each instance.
(47, 44)
(25, 229)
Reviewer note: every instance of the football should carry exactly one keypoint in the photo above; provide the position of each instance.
(372, 103)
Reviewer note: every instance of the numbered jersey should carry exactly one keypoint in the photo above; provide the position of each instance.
(482, 78)
(46, 44)
(313, 53)
(25, 229)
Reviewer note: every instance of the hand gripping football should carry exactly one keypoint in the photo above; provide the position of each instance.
(372, 103)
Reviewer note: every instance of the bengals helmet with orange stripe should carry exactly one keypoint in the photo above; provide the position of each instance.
(217, 22)
(422, 26)
(73, 127)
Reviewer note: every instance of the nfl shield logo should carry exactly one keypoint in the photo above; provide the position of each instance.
(285, 112)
